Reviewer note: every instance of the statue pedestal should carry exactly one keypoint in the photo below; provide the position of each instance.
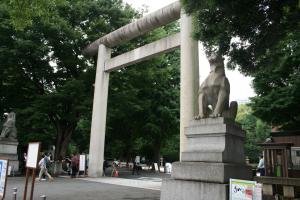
(214, 154)
(8, 150)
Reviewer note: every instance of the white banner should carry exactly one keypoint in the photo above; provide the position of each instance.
(82, 163)
(32, 154)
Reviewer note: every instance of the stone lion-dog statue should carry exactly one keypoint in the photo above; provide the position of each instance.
(214, 92)
(9, 129)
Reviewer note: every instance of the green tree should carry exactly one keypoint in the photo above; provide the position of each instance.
(46, 80)
(261, 38)
(256, 131)
(50, 84)
(143, 106)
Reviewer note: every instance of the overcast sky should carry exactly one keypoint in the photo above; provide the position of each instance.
(240, 85)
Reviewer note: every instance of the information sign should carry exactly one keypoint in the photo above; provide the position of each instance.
(3, 175)
(242, 189)
(32, 155)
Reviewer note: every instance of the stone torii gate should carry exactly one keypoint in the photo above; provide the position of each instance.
(189, 71)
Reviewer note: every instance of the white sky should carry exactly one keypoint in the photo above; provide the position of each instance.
(240, 86)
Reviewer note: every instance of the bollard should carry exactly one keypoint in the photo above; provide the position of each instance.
(14, 196)
(43, 197)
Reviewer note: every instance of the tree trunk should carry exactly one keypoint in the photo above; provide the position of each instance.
(62, 141)
(157, 155)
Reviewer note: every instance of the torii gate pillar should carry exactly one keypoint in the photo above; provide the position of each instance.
(189, 76)
(97, 141)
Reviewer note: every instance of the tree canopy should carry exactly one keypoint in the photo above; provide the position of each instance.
(49, 84)
(45, 79)
(256, 132)
(261, 39)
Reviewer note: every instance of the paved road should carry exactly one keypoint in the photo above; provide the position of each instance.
(77, 189)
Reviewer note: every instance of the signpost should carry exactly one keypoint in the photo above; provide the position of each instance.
(3, 176)
(245, 190)
(31, 164)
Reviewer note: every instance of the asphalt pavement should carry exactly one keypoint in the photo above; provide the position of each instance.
(145, 186)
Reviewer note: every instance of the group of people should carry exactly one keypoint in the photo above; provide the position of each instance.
(115, 168)
(115, 165)
(45, 162)
(73, 165)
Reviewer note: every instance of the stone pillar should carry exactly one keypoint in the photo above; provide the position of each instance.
(189, 77)
(97, 141)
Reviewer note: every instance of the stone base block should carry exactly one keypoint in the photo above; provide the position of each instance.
(268, 190)
(14, 166)
(8, 147)
(214, 140)
(203, 156)
(9, 156)
(288, 191)
(173, 189)
(8, 150)
(210, 172)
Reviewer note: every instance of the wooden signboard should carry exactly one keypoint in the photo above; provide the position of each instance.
(3, 176)
(31, 164)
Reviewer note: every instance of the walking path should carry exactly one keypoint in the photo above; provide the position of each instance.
(90, 189)
(150, 183)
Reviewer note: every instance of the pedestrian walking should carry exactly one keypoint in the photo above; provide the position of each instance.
(44, 162)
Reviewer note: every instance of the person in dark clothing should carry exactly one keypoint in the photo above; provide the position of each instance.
(74, 165)
(135, 168)
(105, 166)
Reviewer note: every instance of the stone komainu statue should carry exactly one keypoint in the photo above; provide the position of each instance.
(9, 129)
(214, 92)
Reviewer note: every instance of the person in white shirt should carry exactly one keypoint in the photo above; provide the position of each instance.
(261, 166)
(43, 168)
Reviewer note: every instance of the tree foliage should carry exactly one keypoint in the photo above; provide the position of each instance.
(45, 79)
(49, 84)
(256, 131)
(143, 105)
(261, 38)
